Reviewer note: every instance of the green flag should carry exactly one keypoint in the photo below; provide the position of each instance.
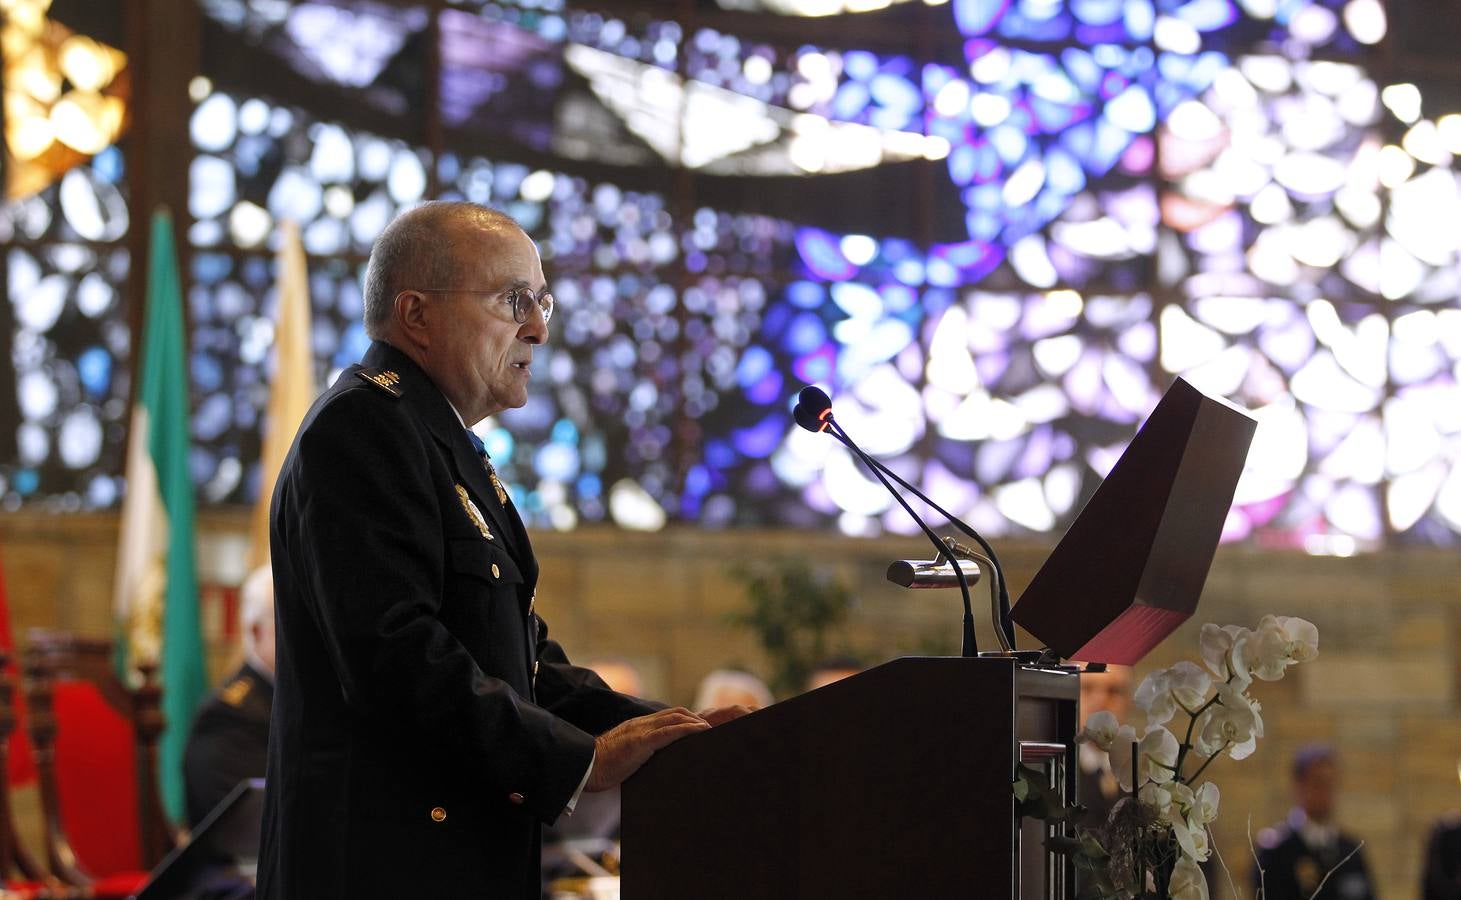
(157, 581)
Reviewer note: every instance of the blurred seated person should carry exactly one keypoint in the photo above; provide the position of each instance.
(1295, 856)
(1441, 879)
(1108, 691)
(229, 741)
(833, 668)
(732, 687)
(586, 841)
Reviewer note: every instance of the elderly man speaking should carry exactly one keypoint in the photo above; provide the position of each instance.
(424, 725)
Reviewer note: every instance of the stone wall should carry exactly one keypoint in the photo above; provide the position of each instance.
(1384, 690)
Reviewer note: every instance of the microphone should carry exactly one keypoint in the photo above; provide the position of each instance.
(814, 413)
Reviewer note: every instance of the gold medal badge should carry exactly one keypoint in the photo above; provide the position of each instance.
(497, 486)
(473, 512)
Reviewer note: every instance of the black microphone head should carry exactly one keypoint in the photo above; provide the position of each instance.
(807, 419)
(814, 399)
(813, 409)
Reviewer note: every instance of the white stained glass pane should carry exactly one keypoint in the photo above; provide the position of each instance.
(1023, 502)
(80, 438)
(1322, 383)
(249, 225)
(211, 187)
(1185, 343)
(407, 180)
(1355, 511)
(296, 195)
(1411, 438)
(37, 394)
(333, 158)
(214, 124)
(1411, 495)
(40, 307)
(1279, 453)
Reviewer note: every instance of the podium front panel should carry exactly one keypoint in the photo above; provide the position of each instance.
(892, 783)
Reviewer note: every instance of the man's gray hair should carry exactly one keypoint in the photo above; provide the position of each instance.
(257, 602)
(417, 250)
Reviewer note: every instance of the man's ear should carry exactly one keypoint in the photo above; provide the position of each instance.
(410, 316)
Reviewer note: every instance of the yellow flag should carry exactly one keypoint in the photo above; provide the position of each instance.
(292, 386)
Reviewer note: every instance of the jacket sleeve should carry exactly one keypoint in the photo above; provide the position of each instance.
(363, 525)
(578, 694)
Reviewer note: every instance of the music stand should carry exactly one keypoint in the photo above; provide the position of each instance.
(223, 855)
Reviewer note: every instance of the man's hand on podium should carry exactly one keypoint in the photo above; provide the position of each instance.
(620, 751)
(723, 714)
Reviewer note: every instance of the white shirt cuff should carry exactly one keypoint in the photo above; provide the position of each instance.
(573, 801)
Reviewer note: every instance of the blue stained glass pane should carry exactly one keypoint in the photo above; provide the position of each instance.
(353, 344)
(976, 17)
(1063, 173)
(1133, 110)
(1010, 143)
(972, 259)
(806, 294)
(1140, 19)
(1098, 34)
(896, 92)
(816, 367)
(1208, 15)
(860, 64)
(1053, 117)
(109, 165)
(754, 365)
(822, 253)
(1097, 12)
(806, 334)
(94, 366)
(851, 99)
(760, 439)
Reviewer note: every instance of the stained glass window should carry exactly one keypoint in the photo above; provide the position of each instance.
(1216, 189)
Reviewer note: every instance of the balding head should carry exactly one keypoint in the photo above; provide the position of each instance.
(420, 249)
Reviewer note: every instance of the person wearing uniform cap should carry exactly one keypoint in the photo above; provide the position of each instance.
(425, 725)
(1297, 856)
(229, 740)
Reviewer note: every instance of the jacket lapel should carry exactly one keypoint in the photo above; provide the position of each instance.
(441, 420)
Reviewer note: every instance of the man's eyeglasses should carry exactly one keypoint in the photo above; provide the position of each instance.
(520, 299)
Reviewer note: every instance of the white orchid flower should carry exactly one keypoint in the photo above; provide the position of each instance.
(1233, 722)
(1192, 839)
(1100, 730)
(1155, 761)
(1216, 643)
(1303, 638)
(1204, 807)
(1159, 798)
(1279, 643)
(1189, 685)
(1154, 697)
(1188, 882)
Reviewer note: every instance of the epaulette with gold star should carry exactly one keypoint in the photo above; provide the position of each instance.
(384, 379)
(234, 693)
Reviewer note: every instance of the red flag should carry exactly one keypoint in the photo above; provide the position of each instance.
(22, 763)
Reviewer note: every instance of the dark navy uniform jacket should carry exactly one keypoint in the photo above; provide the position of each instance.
(1292, 869)
(424, 725)
(229, 740)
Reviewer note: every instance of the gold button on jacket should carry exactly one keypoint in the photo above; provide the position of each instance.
(438, 814)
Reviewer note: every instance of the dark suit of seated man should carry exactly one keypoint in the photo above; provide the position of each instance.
(229, 740)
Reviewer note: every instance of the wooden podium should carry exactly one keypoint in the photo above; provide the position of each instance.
(895, 783)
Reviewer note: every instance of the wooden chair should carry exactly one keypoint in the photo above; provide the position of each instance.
(20, 874)
(96, 751)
